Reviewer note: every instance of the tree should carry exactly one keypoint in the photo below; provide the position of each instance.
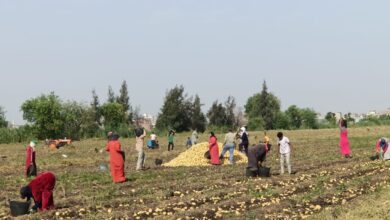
(44, 113)
(111, 95)
(73, 118)
(309, 118)
(113, 115)
(124, 100)
(95, 105)
(263, 105)
(230, 106)
(198, 119)
(176, 111)
(217, 115)
(294, 116)
(331, 118)
(282, 121)
(3, 121)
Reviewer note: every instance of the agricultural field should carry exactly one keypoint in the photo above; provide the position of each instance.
(324, 185)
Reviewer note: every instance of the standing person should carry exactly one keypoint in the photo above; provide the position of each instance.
(244, 141)
(31, 166)
(41, 190)
(171, 139)
(344, 142)
(188, 142)
(228, 145)
(285, 149)
(117, 160)
(213, 148)
(139, 146)
(194, 137)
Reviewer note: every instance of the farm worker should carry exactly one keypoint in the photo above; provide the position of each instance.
(31, 167)
(188, 142)
(139, 147)
(194, 137)
(228, 145)
(256, 154)
(284, 148)
(41, 190)
(266, 141)
(117, 159)
(153, 139)
(382, 146)
(171, 138)
(344, 142)
(213, 149)
(244, 141)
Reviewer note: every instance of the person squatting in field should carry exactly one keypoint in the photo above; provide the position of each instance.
(139, 147)
(382, 149)
(229, 145)
(344, 142)
(41, 190)
(117, 159)
(31, 166)
(256, 154)
(214, 150)
(285, 149)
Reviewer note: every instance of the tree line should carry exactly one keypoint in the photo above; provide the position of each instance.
(50, 117)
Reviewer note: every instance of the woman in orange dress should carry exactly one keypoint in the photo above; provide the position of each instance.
(117, 160)
(213, 148)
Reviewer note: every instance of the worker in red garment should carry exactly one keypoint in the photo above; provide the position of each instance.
(41, 190)
(117, 160)
(31, 167)
(214, 150)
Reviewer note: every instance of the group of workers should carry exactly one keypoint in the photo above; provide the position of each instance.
(40, 189)
(256, 153)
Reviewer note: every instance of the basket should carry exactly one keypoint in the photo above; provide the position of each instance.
(265, 171)
(19, 208)
(251, 172)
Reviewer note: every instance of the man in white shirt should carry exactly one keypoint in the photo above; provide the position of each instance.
(284, 148)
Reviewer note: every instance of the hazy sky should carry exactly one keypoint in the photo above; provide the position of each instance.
(328, 55)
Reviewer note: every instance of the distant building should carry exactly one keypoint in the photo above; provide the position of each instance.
(372, 114)
(147, 121)
(385, 112)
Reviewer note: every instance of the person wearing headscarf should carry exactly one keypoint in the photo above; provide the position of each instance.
(40, 190)
(344, 141)
(244, 141)
(382, 147)
(117, 160)
(213, 149)
(31, 166)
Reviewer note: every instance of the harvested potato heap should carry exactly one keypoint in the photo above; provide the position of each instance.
(195, 157)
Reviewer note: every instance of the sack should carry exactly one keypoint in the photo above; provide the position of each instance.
(139, 132)
(207, 155)
(32, 170)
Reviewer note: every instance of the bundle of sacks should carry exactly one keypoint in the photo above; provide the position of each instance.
(195, 157)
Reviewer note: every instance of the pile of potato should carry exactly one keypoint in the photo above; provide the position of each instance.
(195, 157)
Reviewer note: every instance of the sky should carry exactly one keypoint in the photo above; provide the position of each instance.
(327, 55)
